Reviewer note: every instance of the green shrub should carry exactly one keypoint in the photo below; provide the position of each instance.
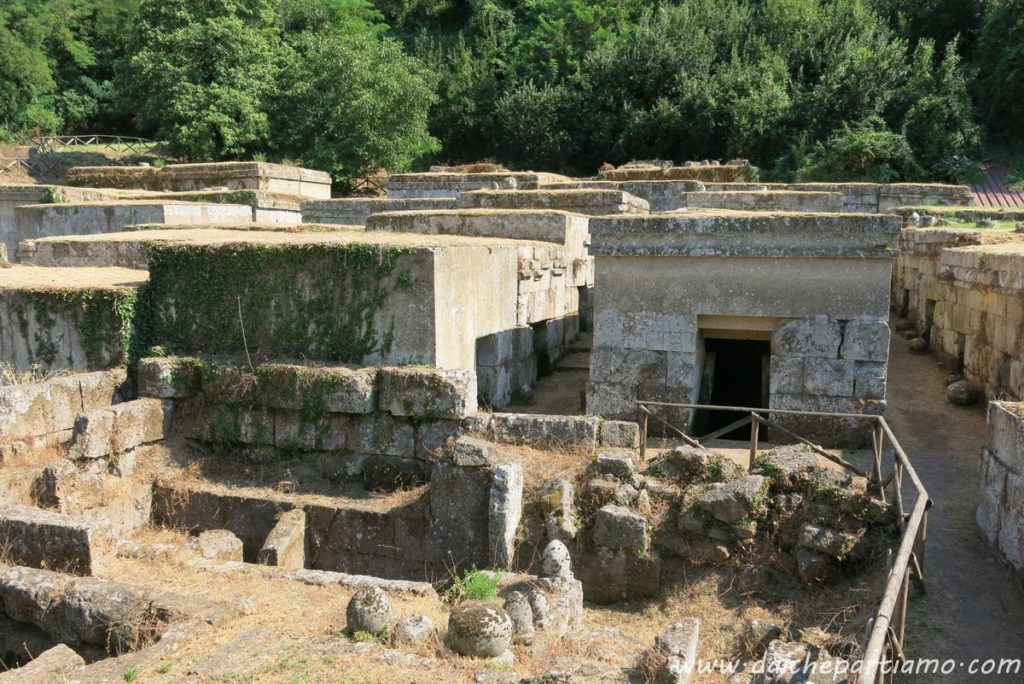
(865, 151)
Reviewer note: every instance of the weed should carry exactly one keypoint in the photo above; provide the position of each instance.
(475, 585)
(164, 667)
(131, 674)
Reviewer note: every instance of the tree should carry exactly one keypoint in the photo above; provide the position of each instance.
(1000, 58)
(26, 82)
(353, 104)
(939, 120)
(201, 72)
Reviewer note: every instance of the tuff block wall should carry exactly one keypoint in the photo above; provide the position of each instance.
(963, 291)
(1001, 513)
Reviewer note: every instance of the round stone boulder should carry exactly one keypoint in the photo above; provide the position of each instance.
(368, 611)
(556, 560)
(414, 630)
(963, 393)
(918, 345)
(519, 611)
(479, 630)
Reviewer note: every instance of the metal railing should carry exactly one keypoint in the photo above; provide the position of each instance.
(886, 631)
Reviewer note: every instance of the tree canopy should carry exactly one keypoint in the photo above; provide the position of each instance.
(353, 86)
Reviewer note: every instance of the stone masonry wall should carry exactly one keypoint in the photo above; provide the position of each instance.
(1001, 513)
(967, 300)
(42, 414)
(828, 365)
(385, 428)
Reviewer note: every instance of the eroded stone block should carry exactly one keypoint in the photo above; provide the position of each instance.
(866, 340)
(427, 393)
(819, 337)
(286, 544)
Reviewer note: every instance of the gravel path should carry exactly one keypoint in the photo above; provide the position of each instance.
(973, 608)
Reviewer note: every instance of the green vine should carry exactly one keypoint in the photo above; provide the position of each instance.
(292, 300)
(105, 320)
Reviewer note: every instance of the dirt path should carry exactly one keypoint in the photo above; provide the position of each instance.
(973, 608)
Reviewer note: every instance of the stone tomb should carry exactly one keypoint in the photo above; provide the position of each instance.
(579, 201)
(272, 178)
(91, 218)
(353, 211)
(798, 302)
(426, 185)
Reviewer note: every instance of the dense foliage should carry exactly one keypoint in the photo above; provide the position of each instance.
(900, 89)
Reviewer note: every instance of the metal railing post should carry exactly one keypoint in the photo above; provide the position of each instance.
(755, 428)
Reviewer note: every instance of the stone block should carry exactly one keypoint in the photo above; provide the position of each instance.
(1011, 539)
(318, 390)
(809, 337)
(427, 393)
(869, 380)
(380, 433)
(92, 435)
(63, 487)
(138, 422)
(628, 366)
(472, 452)
(167, 377)
(829, 377)
(621, 434)
(734, 501)
(559, 513)
(835, 543)
(51, 666)
(1006, 434)
(293, 431)
(786, 374)
(866, 339)
(619, 574)
(285, 546)
(504, 512)
(619, 528)
(813, 567)
(678, 644)
(618, 464)
(556, 432)
(433, 437)
(611, 400)
(38, 538)
(459, 514)
(219, 545)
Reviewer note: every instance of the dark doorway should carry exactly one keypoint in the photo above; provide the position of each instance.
(735, 374)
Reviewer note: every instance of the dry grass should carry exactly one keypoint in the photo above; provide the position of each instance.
(9, 375)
